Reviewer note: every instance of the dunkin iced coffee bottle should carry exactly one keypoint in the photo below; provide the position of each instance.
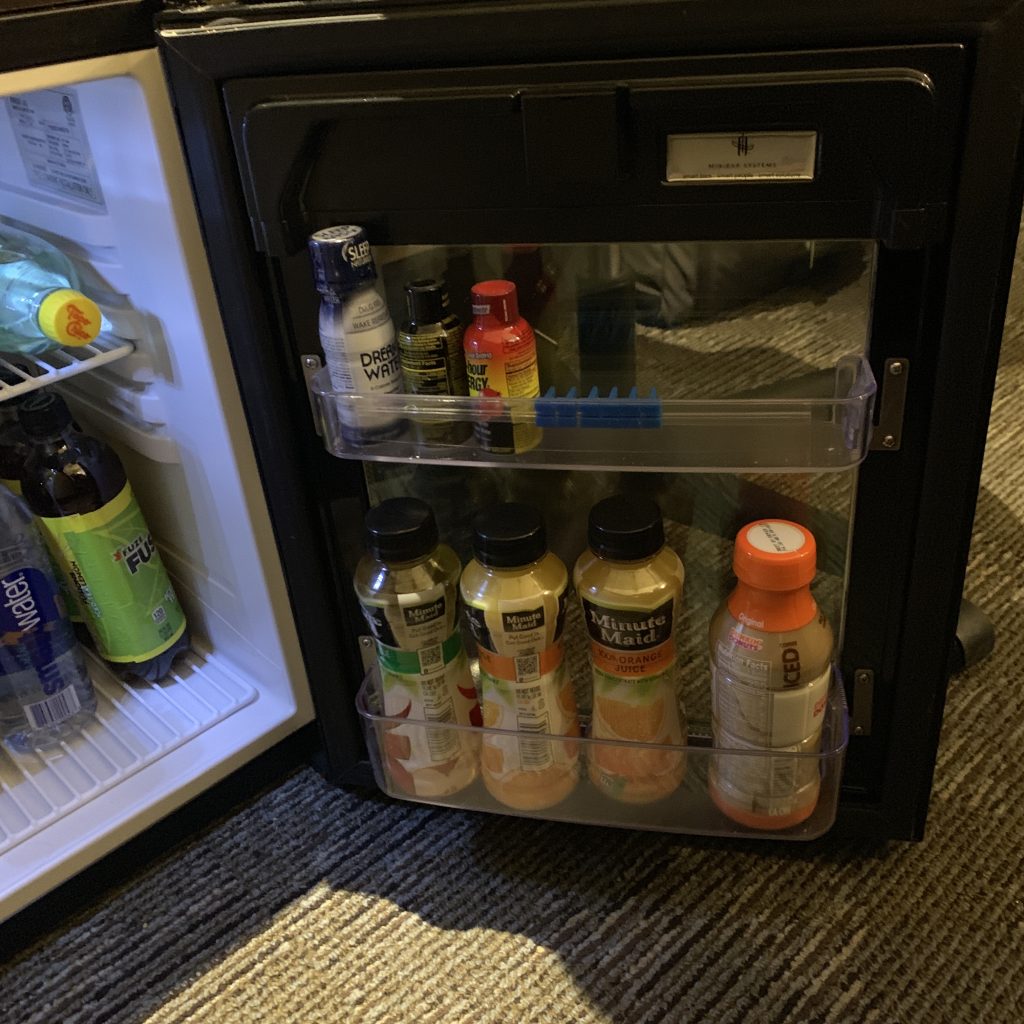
(771, 658)
(630, 586)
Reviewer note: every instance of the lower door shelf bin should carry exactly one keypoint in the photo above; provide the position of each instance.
(778, 794)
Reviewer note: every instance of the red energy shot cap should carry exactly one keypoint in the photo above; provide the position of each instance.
(775, 554)
(497, 299)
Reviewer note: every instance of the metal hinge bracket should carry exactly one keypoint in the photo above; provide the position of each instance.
(310, 366)
(888, 432)
(863, 698)
(367, 653)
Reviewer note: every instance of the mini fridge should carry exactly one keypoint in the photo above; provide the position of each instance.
(766, 257)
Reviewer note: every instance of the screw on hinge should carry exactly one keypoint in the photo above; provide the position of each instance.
(863, 684)
(888, 441)
(895, 368)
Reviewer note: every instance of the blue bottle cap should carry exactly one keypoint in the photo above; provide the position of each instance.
(342, 260)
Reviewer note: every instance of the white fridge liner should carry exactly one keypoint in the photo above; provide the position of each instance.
(135, 724)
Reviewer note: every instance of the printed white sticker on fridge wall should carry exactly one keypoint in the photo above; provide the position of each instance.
(53, 143)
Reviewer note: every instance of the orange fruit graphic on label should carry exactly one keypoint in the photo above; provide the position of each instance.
(640, 722)
(492, 714)
(493, 758)
(637, 764)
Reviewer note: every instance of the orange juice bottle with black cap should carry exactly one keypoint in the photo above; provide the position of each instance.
(514, 593)
(630, 586)
(771, 657)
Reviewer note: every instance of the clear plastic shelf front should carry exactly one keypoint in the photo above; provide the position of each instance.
(693, 787)
(822, 424)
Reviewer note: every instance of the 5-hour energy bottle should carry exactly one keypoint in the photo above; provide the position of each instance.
(501, 361)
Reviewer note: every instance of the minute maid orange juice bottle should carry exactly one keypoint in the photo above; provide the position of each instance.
(501, 360)
(407, 586)
(514, 594)
(630, 588)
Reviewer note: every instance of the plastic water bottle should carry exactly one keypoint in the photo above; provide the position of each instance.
(40, 304)
(45, 691)
(77, 487)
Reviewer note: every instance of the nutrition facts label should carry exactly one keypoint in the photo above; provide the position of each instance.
(53, 144)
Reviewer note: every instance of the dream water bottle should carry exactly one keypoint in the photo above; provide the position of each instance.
(356, 332)
(45, 691)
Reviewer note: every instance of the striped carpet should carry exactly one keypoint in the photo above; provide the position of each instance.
(313, 904)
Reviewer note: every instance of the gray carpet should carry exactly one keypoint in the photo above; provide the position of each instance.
(313, 904)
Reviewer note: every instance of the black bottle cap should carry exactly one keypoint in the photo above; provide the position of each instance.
(43, 414)
(625, 528)
(426, 301)
(509, 535)
(342, 260)
(400, 530)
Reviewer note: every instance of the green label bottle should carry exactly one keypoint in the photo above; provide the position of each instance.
(77, 487)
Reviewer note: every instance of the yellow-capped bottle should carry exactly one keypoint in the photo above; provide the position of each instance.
(39, 308)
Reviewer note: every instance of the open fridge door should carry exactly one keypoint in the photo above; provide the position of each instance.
(90, 161)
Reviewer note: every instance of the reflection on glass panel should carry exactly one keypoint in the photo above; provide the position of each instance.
(692, 319)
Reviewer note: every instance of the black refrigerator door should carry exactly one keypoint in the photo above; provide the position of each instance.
(292, 124)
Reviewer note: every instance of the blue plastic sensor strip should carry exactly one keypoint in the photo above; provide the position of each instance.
(594, 411)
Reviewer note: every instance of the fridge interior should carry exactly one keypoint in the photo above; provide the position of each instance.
(91, 162)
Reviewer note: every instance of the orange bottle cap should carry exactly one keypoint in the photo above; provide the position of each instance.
(775, 554)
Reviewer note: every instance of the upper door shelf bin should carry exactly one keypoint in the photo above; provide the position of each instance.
(667, 356)
(821, 421)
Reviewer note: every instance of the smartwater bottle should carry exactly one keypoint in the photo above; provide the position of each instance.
(45, 691)
(40, 305)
